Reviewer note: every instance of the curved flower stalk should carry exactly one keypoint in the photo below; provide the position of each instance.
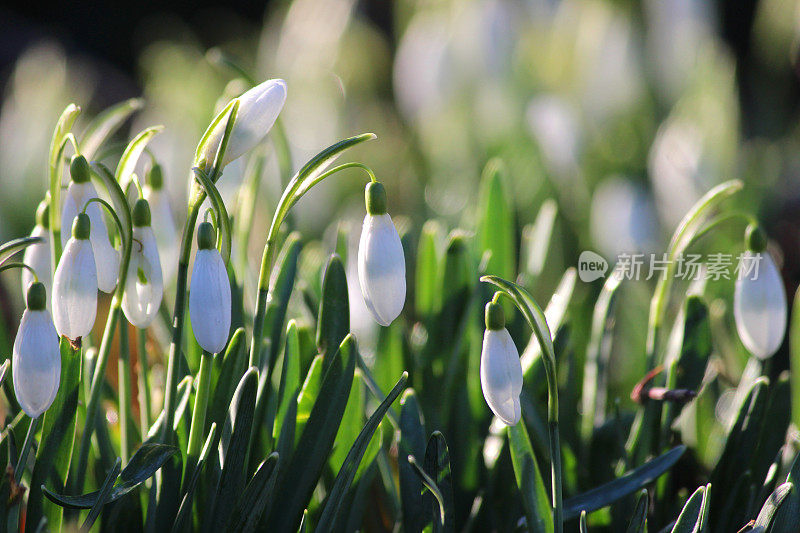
(36, 360)
(258, 109)
(37, 256)
(75, 284)
(501, 370)
(381, 264)
(162, 218)
(144, 286)
(209, 293)
(80, 192)
(759, 300)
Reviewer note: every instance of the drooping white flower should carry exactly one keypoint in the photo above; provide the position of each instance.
(74, 298)
(501, 370)
(167, 237)
(36, 358)
(37, 256)
(209, 294)
(144, 286)
(80, 191)
(258, 109)
(759, 306)
(381, 263)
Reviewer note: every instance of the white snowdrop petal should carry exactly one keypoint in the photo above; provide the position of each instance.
(258, 109)
(37, 256)
(382, 268)
(501, 375)
(36, 363)
(210, 301)
(760, 309)
(142, 300)
(106, 256)
(74, 298)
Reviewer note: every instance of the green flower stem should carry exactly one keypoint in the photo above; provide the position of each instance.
(555, 441)
(284, 154)
(114, 312)
(178, 319)
(124, 369)
(26, 448)
(199, 413)
(144, 382)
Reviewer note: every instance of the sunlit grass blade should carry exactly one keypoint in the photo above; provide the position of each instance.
(255, 496)
(495, 231)
(638, 522)
(693, 515)
(535, 500)
(106, 123)
(127, 163)
(437, 466)
(8, 249)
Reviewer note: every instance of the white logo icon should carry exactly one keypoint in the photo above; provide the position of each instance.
(591, 266)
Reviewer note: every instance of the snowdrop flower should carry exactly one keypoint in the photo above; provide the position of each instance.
(381, 264)
(75, 284)
(258, 109)
(81, 191)
(501, 370)
(36, 359)
(167, 237)
(759, 300)
(209, 294)
(37, 256)
(144, 286)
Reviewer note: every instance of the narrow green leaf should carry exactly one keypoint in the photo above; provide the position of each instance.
(230, 366)
(794, 354)
(185, 510)
(255, 497)
(536, 240)
(279, 294)
(608, 493)
(426, 296)
(693, 220)
(583, 527)
(301, 473)
(787, 519)
(234, 451)
(638, 522)
(496, 230)
(308, 395)
(184, 392)
(768, 512)
(331, 519)
(352, 421)
(437, 466)
(223, 220)
(432, 488)
(412, 442)
(144, 463)
(334, 311)
(535, 500)
(290, 377)
(10, 248)
(692, 517)
(102, 496)
(127, 163)
(105, 124)
(58, 438)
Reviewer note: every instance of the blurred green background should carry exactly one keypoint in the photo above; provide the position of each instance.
(623, 112)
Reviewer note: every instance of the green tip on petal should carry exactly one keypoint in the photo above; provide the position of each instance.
(81, 227)
(495, 317)
(37, 297)
(375, 198)
(141, 213)
(155, 177)
(206, 236)
(79, 169)
(755, 239)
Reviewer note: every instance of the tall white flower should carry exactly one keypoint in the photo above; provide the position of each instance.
(759, 300)
(79, 192)
(75, 283)
(381, 263)
(258, 109)
(209, 293)
(144, 286)
(37, 256)
(167, 236)
(501, 370)
(36, 359)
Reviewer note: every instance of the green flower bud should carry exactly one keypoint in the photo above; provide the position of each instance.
(206, 236)
(155, 177)
(375, 198)
(141, 213)
(43, 214)
(495, 317)
(755, 239)
(37, 296)
(79, 169)
(81, 227)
